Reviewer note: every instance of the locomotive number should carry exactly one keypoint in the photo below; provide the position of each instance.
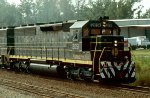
(95, 25)
(75, 46)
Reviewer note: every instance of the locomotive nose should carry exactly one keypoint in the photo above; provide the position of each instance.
(122, 71)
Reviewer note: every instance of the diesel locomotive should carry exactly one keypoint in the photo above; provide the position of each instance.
(85, 50)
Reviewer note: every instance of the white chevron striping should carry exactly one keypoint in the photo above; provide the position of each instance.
(102, 75)
(133, 74)
(113, 71)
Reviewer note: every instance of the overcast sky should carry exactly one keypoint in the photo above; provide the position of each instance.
(145, 3)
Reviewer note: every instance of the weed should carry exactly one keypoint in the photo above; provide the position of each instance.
(142, 60)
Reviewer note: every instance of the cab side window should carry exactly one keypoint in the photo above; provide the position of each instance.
(75, 35)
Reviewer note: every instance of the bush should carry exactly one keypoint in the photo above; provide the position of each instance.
(141, 59)
(133, 47)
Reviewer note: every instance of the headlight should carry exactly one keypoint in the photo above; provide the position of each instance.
(115, 43)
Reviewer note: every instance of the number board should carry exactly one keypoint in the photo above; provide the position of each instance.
(75, 46)
(97, 24)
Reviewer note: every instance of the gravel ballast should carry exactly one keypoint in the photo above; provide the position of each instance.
(84, 89)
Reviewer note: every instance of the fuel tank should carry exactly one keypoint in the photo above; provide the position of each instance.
(44, 68)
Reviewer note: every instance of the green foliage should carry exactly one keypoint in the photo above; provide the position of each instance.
(66, 10)
(49, 11)
(142, 58)
(26, 9)
(147, 14)
(9, 15)
(115, 9)
(44, 11)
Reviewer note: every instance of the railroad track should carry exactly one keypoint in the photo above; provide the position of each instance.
(40, 91)
(51, 92)
(126, 87)
(141, 89)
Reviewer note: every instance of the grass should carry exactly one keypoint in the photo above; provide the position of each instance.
(142, 60)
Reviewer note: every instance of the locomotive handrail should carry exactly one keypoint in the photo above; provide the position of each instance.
(130, 49)
(106, 42)
(95, 53)
(9, 50)
(102, 54)
(40, 43)
(101, 57)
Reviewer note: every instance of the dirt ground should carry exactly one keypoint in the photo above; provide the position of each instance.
(85, 89)
(7, 92)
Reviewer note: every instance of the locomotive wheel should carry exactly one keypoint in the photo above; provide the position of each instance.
(17, 67)
(73, 77)
(68, 75)
(27, 70)
(24, 67)
(89, 79)
(12, 66)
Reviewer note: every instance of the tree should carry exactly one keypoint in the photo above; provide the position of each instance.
(2, 11)
(26, 9)
(48, 10)
(12, 16)
(125, 10)
(45, 11)
(66, 9)
(80, 7)
(115, 9)
(9, 14)
(147, 14)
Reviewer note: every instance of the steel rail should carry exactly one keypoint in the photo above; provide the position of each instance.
(41, 91)
(37, 90)
(141, 89)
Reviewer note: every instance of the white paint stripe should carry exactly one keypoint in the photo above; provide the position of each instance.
(127, 75)
(115, 64)
(126, 65)
(102, 63)
(105, 69)
(113, 71)
(133, 74)
(132, 62)
(130, 68)
(102, 75)
(109, 64)
(118, 67)
(109, 76)
(107, 73)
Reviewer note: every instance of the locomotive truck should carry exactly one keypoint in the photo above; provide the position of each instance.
(84, 50)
